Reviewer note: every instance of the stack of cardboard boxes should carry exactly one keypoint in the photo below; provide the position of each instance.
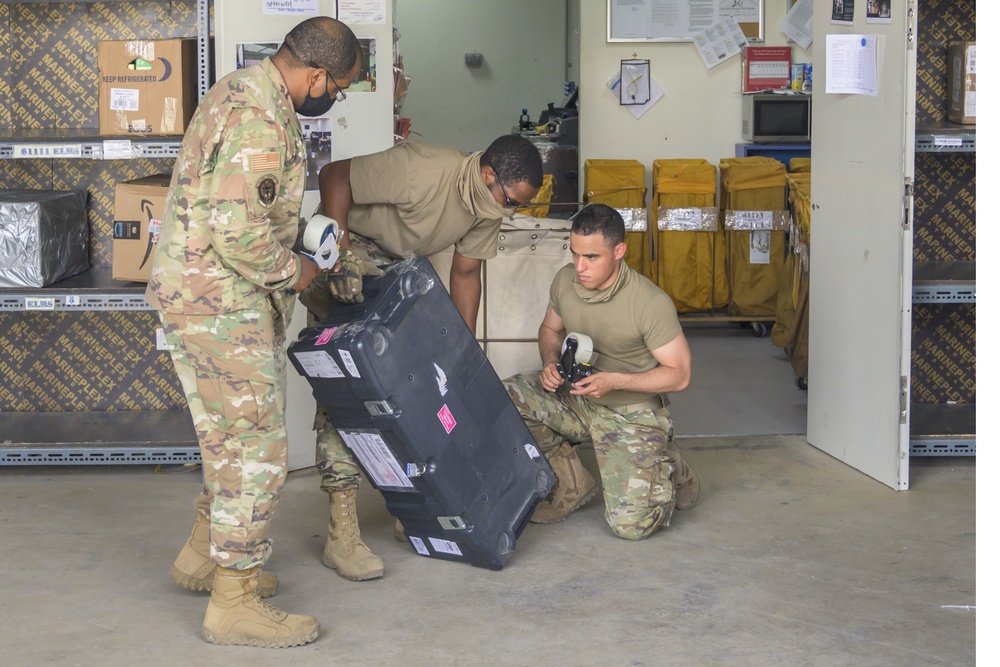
(139, 206)
(962, 82)
(147, 87)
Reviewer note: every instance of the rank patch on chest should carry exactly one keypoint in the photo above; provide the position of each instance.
(265, 161)
(267, 190)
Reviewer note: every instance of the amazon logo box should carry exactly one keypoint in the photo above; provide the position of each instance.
(147, 87)
(139, 207)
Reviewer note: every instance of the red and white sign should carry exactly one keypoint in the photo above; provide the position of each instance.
(447, 419)
(325, 337)
(766, 67)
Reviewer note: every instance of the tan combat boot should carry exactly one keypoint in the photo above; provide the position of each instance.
(195, 571)
(573, 488)
(399, 532)
(237, 616)
(687, 486)
(344, 550)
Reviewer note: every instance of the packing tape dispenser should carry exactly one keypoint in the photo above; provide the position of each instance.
(578, 357)
(322, 239)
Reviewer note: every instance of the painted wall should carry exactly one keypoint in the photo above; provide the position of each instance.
(699, 115)
(523, 43)
(525, 46)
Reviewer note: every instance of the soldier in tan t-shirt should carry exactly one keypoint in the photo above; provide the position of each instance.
(642, 355)
(415, 198)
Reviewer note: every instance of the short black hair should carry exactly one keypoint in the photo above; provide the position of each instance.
(515, 160)
(324, 42)
(600, 219)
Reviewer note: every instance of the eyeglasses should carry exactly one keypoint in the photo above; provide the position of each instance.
(510, 202)
(340, 96)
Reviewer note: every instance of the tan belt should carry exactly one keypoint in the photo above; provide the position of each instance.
(652, 404)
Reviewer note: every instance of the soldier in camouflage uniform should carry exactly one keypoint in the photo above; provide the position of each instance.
(415, 198)
(223, 280)
(622, 408)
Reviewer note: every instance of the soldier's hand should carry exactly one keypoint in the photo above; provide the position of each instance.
(346, 282)
(550, 378)
(307, 275)
(596, 386)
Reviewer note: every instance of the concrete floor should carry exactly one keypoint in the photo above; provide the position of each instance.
(791, 558)
(740, 385)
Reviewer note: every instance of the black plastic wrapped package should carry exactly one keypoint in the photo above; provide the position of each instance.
(44, 236)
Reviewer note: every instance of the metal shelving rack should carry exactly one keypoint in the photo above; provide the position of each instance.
(91, 290)
(945, 137)
(947, 429)
(91, 438)
(82, 438)
(944, 282)
(83, 144)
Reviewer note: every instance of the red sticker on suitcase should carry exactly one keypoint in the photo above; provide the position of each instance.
(447, 419)
(325, 337)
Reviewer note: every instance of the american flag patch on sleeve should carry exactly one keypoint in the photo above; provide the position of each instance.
(265, 161)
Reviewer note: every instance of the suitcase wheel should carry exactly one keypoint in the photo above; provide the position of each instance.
(801, 383)
(380, 341)
(505, 543)
(543, 482)
(411, 284)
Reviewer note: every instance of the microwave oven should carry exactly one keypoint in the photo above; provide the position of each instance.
(775, 117)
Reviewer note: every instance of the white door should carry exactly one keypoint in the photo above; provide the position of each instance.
(360, 125)
(862, 250)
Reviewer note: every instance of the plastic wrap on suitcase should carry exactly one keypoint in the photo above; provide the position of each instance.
(420, 406)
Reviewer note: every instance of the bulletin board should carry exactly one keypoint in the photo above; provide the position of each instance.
(664, 20)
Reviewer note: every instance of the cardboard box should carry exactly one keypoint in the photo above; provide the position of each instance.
(962, 82)
(766, 68)
(44, 236)
(139, 207)
(147, 87)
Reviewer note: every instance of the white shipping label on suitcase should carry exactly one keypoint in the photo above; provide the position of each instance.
(377, 459)
(444, 546)
(760, 247)
(349, 364)
(419, 545)
(319, 365)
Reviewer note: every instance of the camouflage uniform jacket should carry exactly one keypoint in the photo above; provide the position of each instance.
(232, 211)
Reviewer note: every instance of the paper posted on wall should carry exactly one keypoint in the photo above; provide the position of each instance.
(720, 42)
(798, 23)
(637, 110)
(852, 64)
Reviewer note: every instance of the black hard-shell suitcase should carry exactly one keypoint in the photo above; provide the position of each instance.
(408, 387)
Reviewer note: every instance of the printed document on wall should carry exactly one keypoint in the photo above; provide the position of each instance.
(720, 42)
(852, 64)
(798, 23)
(291, 7)
(362, 11)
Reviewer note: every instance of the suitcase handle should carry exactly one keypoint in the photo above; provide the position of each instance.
(411, 284)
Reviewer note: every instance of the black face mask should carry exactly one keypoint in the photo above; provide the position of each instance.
(316, 106)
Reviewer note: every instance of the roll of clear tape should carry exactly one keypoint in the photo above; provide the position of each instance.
(321, 238)
(584, 347)
(318, 227)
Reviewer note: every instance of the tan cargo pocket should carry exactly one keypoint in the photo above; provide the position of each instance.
(235, 401)
(649, 482)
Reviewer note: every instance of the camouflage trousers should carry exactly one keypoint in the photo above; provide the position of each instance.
(232, 369)
(632, 451)
(337, 466)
